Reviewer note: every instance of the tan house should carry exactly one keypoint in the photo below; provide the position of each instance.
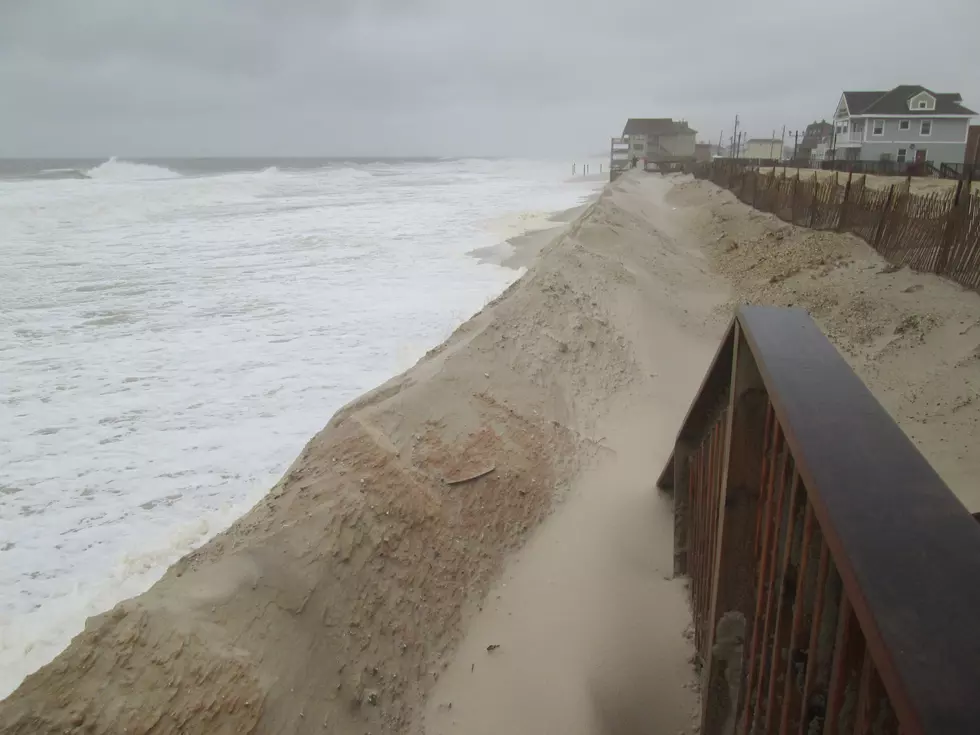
(763, 149)
(703, 151)
(660, 139)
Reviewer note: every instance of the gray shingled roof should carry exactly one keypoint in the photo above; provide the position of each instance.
(896, 102)
(655, 126)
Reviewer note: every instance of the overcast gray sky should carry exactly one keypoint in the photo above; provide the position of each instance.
(449, 77)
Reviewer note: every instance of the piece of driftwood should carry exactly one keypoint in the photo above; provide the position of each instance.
(470, 476)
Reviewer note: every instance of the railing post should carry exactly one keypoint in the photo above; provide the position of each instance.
(733, 587)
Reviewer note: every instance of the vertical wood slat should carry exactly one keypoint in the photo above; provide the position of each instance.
(709, 523)
(702, 532)
(819, 603)
(696, 542)
(699, 545)
(777, 664)
(704, 493)
(868, 693)
(766, 491)
(770, 422)
(714, 510)
(692, 509)
(734, 569)
(791, 697)
(846, 630)
(764, 663)
(705, 546)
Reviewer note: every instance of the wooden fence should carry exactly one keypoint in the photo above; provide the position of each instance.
(936, 233)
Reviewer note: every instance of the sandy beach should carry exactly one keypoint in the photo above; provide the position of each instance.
(477, 546)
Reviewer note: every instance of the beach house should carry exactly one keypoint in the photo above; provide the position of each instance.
(660, 139)
(907, 124)
(763, 149)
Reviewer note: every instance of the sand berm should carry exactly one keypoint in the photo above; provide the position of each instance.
(477, 545)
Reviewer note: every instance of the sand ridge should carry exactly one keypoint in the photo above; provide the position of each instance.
(336, 601)
(914, 338)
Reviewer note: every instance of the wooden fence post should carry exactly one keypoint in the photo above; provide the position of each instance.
(792, 201)
(842, 217)
(883, 217)
(813, 201)
(949, 230)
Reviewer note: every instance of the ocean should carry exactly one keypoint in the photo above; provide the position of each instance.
(172, 332)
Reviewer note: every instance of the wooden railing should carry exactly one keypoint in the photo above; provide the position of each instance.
(834, 577)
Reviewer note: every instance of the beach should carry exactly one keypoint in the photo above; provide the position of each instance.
(173, 332)
(477, 545)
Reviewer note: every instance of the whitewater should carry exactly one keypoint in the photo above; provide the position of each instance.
(170, 339)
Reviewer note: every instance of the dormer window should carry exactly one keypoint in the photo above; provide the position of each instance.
(922, 101)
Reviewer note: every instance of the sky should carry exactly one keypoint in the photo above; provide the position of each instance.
(545, 78)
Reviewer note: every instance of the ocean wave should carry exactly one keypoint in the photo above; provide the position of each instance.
(349, 174)
(118, 170)
(60, 173)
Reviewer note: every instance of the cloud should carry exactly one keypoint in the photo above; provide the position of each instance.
(446, 77)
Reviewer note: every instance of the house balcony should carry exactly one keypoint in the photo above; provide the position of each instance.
(850, 139)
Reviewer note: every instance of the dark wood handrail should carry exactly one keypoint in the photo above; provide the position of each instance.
(907, 551)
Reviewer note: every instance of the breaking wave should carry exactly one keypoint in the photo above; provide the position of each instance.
(117, 170)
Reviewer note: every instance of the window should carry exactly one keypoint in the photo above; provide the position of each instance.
(878, 128)
(858, 126)
(637, 146)
(925, 127)
(923, 104)
(902, 152)
(903, 124)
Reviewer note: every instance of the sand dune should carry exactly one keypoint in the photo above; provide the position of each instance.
(477, 545)
(337, 601)
(914, 338)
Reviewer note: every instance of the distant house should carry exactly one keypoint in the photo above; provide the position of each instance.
(972, 145)
(907, 124)
(703, 151)
(660, 139)
(816, 141)
(763, 149)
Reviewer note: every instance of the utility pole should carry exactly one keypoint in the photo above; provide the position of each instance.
(738, 145)
(796, 143)
(782, 141)
(735, 135)
(772, 142)
(721, 133)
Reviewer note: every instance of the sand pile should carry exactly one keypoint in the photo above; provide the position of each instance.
(336, 602)
(913, 338)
